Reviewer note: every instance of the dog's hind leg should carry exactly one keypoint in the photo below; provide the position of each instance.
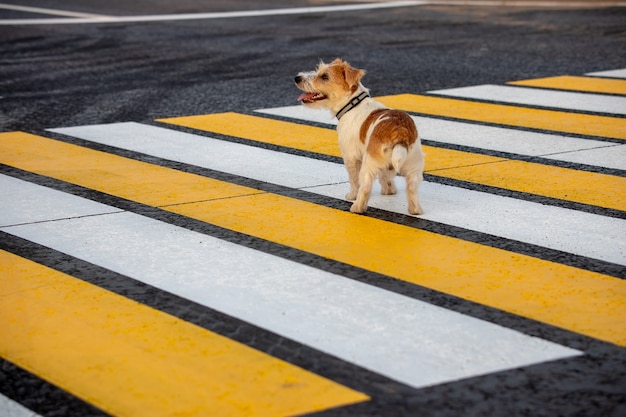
(413, 182)
(413, 172)
(385, 177)
(369, 169)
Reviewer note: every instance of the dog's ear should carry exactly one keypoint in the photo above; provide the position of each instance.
(352, 76)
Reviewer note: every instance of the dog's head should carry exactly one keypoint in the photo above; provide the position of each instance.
(329, 85)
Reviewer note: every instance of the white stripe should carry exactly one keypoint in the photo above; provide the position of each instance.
(618, 73)
(609, 156)
(32, 210)
(54, 12)
(540, 97)
(526, 3)
(215, 15)
(556, 147)
(566, 230)
(10, 408)
(211, 153)
(88, 18)
(402, 338)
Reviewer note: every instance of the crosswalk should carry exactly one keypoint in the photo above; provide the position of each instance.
(208, 264)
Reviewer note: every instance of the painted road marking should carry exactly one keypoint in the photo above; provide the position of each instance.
(549, 146)
(129, 359)
(331, 313)
(55, 12)
(578, 300)
(574, 299)
(552, 120)
(292, 171)
(556, 182)
(571, 231)
(568, 82)
(543, 98)
(618, 73)
(11, 408)
(280, 12)
(215, 15)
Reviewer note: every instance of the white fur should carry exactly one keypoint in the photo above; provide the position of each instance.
(398, 156)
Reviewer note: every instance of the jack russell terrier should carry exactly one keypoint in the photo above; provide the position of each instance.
(374, 140)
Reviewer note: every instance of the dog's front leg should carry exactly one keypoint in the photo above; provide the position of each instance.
(353, 167)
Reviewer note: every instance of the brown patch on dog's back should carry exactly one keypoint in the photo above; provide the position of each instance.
(373, 116)
(393, 127)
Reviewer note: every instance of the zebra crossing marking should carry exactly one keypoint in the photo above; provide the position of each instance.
(516, 218)
(544, 98)
(597, 153)
(129, 359)
(14, 409)
(512, 279)
(174, 259)
(323, 310)
(556, 182)
(573, 83)
(618, 73)
(510, 115)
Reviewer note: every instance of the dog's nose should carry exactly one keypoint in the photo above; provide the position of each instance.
(298, 79)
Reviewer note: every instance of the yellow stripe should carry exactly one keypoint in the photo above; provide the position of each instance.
(545, 180)
(307, 138)
(131, 360)
(578, 300)
(158, 188)
(582, 124)
(563, 183)
(588, 84)
(261, 129)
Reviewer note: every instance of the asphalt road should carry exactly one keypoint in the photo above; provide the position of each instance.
(54, 75)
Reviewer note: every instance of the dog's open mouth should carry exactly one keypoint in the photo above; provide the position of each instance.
(311, 97)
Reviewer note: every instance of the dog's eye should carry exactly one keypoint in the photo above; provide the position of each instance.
(324, 77)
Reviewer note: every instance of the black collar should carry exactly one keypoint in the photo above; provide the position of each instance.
(352, 104)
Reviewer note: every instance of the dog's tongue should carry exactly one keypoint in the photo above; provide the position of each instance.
(306, 96)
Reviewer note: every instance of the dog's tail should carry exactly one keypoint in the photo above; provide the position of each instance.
(398, 156)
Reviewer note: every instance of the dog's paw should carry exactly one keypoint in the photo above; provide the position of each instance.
(415, 210)
(358, 208)
(351, 196)
(389, 190)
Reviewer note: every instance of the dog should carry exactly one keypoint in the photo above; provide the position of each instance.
(375, 141)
